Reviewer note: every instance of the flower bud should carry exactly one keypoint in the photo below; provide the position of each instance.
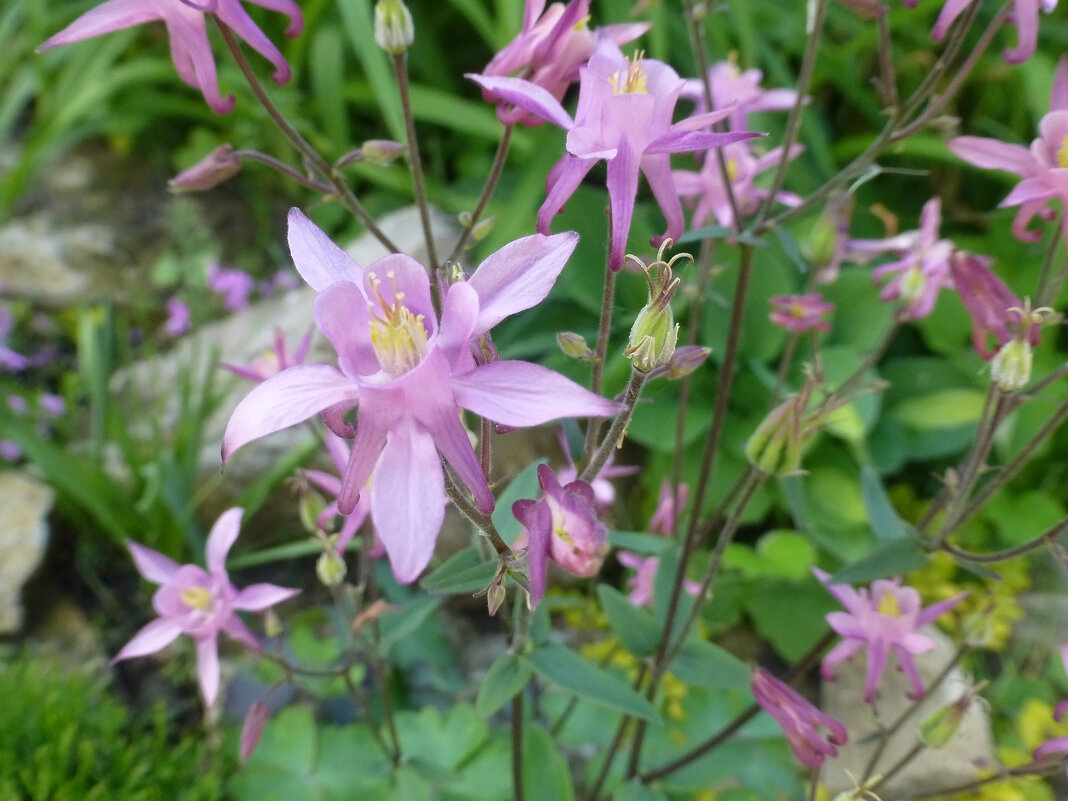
(574, 345)
(218, 166)
(655, 333)
(494, 598)
(310, 509)
(775, 447)
(272, 626)
(394, 32)
(1010, 368)
(330, 568)
(482, 228)
(382, 151)
(685, 360)
(252, 730)
(941, 726)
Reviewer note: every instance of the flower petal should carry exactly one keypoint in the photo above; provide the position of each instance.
(408, 499)
(285, 399)
(208, 668)
(318, 260)
(527, 96)
(107, 17)
(257, 597)
(155, 635)
(991, 154)
(221, 539)
(682, 141)
(564, 179)
(240, 632)
(518, 393)
(153, 565)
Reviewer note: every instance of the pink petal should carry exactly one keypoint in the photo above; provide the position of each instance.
(234, 16)
(240, 632)
(683, 141)
(950, 11)
(290, 9)
(622, 191)
(1029, 190)
(252, 729)
(564, 179)
(208, 668)
(1026, 16)
(522, 394)
(537, 520)
(519, 276)
(285, 399)
(318, 260)
(373, 424)
(527, 96)
(153, 565)
(154, 636)
(342, 315)
(222, 537)
(990, 154)
(459, 316)
(257, 597)
(192, 57)
(935, 610)
(408, 500)
(657, 172)
(1058, 100)
(107, 17)
(877, 654)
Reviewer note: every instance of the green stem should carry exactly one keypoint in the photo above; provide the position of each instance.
(1043, 539)
(487, 192)
(619, 426)
(593, 429)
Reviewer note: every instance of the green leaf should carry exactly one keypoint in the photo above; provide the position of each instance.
(504, 680)
(889, 558)
(705, 664)
(943, 409)
(546, 774)
(464, 571)
(638, 541)
(636, 628)
(885, 523)
(524, 485)
(572, 673)
(719, 232)
(398, 624)
(634, 790)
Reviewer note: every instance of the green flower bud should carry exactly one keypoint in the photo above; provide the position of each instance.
(382, 151)
(1010, 368)
(775, 447)
(573, 345)
(330, 568)
(310, 507)
(655, 333)
(394, 32)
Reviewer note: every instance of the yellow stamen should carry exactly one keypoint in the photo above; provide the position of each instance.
(1062, 153)
(582, 23)
(732, 170)
(633, 79)
(888, 605)
(398, 337)
(197, 598)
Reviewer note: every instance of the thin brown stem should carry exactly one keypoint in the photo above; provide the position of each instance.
(282, 167)
(517, 746)
(487, 193)
(1042, 540)
(415, 162)
(886, 65)
(615, 434)
(593, 429)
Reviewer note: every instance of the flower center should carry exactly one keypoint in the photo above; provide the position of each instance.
(888, 605)
(732, 170)
(582, 23)
(631, 81)
(198, 598)
(1062, 153)
(397, 336)
(797, 311)
(913, 282)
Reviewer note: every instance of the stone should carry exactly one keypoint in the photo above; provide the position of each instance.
(957, 762)
(23, 538)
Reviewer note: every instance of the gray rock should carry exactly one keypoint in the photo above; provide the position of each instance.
(932, 769)
(23, 537)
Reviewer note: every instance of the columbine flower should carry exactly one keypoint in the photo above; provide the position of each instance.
(1042, 168)
(993, 307)
(662, 523)
(200, 603)
(561, 526)
(408, 376)
(801, 722)
(800, 313)
(739, 91)
(331, 484)
(604, 493)
(1024, 15)
(273, 361)
(624, 116)
(549, 51)
(1058, 745)
(923, 268)
(885, 617)
(742, 167)
(190, 48)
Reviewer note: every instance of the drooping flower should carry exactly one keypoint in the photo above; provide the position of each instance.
(563, 526)
(1024, 15)
(885, 617)
(799, 313)
(812, 734)
(273, 361)
(709, 193)
(624, 116)
(604, 493)
(923, 268)
(993, 307)
(187, 29)
(1043, 167)
(408, 376)
(200, 603)
(554, 43)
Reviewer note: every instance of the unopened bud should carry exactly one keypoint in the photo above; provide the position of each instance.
(573, 345)
(252, 730)
(775, 447)
(394, 32)
(330, 568)
(482, 228)
(382, 151)
(685, 360)
(941, 726)
(978, 628)
(272, 624)
(310, 508)
(494, 598)
(218, 166)
(1010, 368)
(655, 333)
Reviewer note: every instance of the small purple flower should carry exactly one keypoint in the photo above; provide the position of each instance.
(812, 734)
(52, 405)
(883, 618)
(553, 45)
(9, 451)
(273, 361)
(604, 492)
(17, 404)
(562, 526)
(993, 307)
(624, 115)
(923, 268)
(407, 376)
(190, 48)
(641, 583)
(178, 318)
(800, 313)
(200, 603)
(737, 90)
(1042, 167)
(234, 286)
(1058, 745)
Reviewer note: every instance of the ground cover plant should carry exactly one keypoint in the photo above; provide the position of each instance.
(781, 282)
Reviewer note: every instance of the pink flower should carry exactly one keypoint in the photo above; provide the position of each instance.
(1058, 745)
(178, 318)
(331, 485)
(662, 523)
(200, 603)
(274, 360)
(812, 734)
(742, 167)
(923, 268)
(993, 307)
(624, 116)
(562, 526)
(799, 313)
(603, 492)
(550, 50)
(739, 91)
(1025, 16)
(190, 48)
(1043, 167)
(885, 617)
(408, 376)
(233, 286)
